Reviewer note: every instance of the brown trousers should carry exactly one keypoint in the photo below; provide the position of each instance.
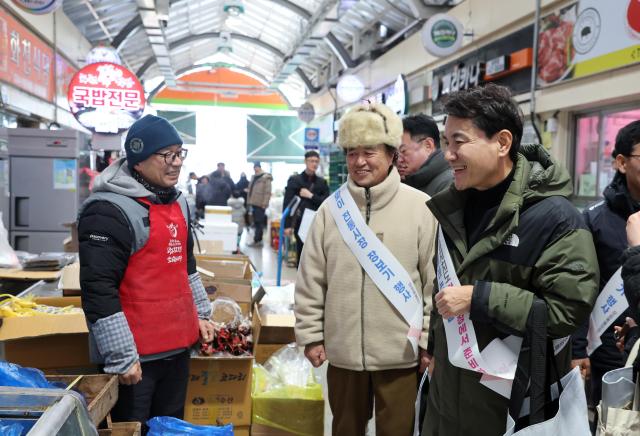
(352, 394)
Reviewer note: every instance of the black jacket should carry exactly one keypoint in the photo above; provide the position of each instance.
(433, 176)
(631, 280)
(317, 185)
(607, 221)
(214, 193)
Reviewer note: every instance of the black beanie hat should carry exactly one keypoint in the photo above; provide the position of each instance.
(148, 135)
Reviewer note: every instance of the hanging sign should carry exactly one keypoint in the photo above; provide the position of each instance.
(106, 98)
(311, 138)
(103, 54)
(306, 113)
(442, 35)
(396, 97)
(38, 7)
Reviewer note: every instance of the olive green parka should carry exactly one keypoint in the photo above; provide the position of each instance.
(536, 244)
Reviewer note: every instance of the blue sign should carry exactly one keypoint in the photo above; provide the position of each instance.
(311, 138)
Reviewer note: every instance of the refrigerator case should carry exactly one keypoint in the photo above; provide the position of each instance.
(5, 195)
(44, 186)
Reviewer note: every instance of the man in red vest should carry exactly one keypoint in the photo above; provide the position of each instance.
(143, 298)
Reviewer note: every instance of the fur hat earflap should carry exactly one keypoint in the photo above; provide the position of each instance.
(370, 124)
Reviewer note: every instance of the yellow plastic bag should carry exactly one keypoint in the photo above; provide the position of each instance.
(286, 394)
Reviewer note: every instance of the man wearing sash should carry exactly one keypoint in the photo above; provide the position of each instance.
(364, 283)
(607, 222)
(508, 233)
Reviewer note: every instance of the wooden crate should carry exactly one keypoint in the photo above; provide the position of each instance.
(100, 391)
(122, 429)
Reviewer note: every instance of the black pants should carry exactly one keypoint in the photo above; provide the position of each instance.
(299, 246)
(259, 222)
(161, 392)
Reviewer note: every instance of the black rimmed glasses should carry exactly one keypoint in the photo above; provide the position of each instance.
(170, 156)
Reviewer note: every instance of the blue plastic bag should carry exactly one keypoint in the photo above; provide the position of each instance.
(169, 426)
(21, 377)
(10, 429)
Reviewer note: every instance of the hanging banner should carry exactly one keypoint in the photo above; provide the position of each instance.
(588, 37)
(26, 61)
(38, 7)
(64, 73)
(442, 35)
(106, 98)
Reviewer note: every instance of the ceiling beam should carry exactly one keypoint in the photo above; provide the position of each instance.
(294, 8)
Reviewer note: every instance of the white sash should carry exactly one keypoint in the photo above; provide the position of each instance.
(378, 262)
(498, 361)
(611, 303)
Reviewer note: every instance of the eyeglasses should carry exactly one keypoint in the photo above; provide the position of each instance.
(170, 156)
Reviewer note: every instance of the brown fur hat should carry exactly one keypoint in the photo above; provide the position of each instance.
(370, 124)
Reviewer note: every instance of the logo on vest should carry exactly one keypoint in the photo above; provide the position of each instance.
(173, 230)
(136, 145)
(174, 249)
(512, 240)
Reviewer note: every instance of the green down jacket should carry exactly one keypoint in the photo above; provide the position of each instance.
(537, 243)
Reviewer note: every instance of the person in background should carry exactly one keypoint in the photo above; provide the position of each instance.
(607, 221)
(243, 188)
(631, 280)
(511, 234)
(137, 267)
(258, 199)
(222, 173)
(191, 183)
(312, 190)
(236, 202)
(421, 163)
(343, 314)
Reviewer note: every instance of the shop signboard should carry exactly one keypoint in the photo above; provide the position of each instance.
(26, 61)
(106, 98)
(397, 96)
(506, 62)
(442, 35)
(38, 7)
(588, 37)
(311, 138)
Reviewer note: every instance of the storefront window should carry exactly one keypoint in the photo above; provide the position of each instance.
(595, 140)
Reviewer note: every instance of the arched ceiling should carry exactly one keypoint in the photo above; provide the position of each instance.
(291, 43)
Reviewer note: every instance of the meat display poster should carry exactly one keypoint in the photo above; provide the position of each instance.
(588, 37)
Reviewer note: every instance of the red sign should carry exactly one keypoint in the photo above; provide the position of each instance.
(106, 97)
(25, 60)
(64, 73)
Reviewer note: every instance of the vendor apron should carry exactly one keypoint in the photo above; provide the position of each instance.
(155, 294)
(378, 262)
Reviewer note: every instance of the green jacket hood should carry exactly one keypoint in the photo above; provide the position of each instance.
(544, 176)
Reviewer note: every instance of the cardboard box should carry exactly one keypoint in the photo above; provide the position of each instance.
(48, 342)
(209, 247)
(219, 391)
(271, 332)
(244, 430)
(225, 266)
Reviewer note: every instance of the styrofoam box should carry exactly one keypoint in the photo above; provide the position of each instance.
(225, 232)
(217, 214)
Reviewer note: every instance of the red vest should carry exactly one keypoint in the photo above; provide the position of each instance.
(155, 294)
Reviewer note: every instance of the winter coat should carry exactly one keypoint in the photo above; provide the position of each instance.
(237, 211)
(106, 242)
(260, 190)
(607, 221)
(631, 280)
(433, 176)
(317, 185)
(214, 193)
(335, 300)
(536, 244)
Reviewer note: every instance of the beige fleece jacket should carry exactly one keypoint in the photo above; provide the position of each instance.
(338, 304)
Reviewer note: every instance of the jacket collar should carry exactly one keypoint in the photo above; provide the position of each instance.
(618, 197)
(430, 169)
(380, 195)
